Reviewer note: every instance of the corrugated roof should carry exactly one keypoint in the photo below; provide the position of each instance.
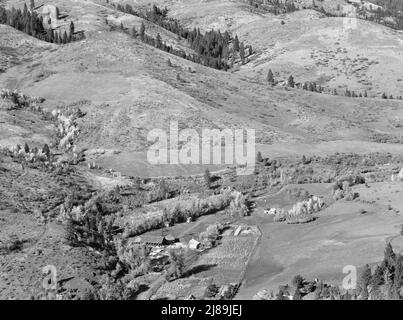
(150, 239)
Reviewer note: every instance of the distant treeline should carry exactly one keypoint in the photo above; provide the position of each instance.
(274, 6)
(392, 8)
(313, 87)
(29, 22)
(213, 49)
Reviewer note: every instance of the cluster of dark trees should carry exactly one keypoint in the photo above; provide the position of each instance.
(274, 6)
(313, 87)
(391, 8)
(384, 282)
(29, 22)
(391, 97)
(389, 275)
(159, 44)
(213, 48)
(353, 94)
(308, 86)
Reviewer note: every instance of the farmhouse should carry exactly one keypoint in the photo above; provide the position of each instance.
(153, 240)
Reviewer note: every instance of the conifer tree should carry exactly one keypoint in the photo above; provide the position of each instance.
(71, 29)
(236, 43)
(26, 148)
(366, 276)
(270, 77)
(242, 52)
(207, 178)
(65, 38)
(291, 82)
(142, 31)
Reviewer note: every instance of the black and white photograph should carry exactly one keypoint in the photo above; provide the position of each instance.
(215, 150)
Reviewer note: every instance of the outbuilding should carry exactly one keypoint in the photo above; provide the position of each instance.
(194, 244)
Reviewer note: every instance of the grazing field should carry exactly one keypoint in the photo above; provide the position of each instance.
(78, 193)
(346, 233)
(226, 262)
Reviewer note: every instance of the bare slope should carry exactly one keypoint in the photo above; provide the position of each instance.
(335, 52)
(338, 53)
(127, 89)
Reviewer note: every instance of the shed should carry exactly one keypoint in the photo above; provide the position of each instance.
(194, 244)
(170, 239)
(151, 240)
(238, 231)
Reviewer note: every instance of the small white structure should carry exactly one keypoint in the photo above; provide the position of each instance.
(194, 244)
(398, 177)
(271, 211)
(238, 231)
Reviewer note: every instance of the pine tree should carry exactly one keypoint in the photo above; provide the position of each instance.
(377, 278)
(291, 82)
(225, 53)
(71, 29)
(65, 38)
(46, 151)
(398, 274)
(207, 178)
(142, 31)
(158, 41)
(366, 276)
(389, 256)
(364, 293)
(270, 77)
(25, 11)
(236, 43)
(242, 52)
(32, 5)
(26, 148)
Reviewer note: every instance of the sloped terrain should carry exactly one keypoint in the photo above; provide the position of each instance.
(124, 88)
(16, 48)
(337, 53)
